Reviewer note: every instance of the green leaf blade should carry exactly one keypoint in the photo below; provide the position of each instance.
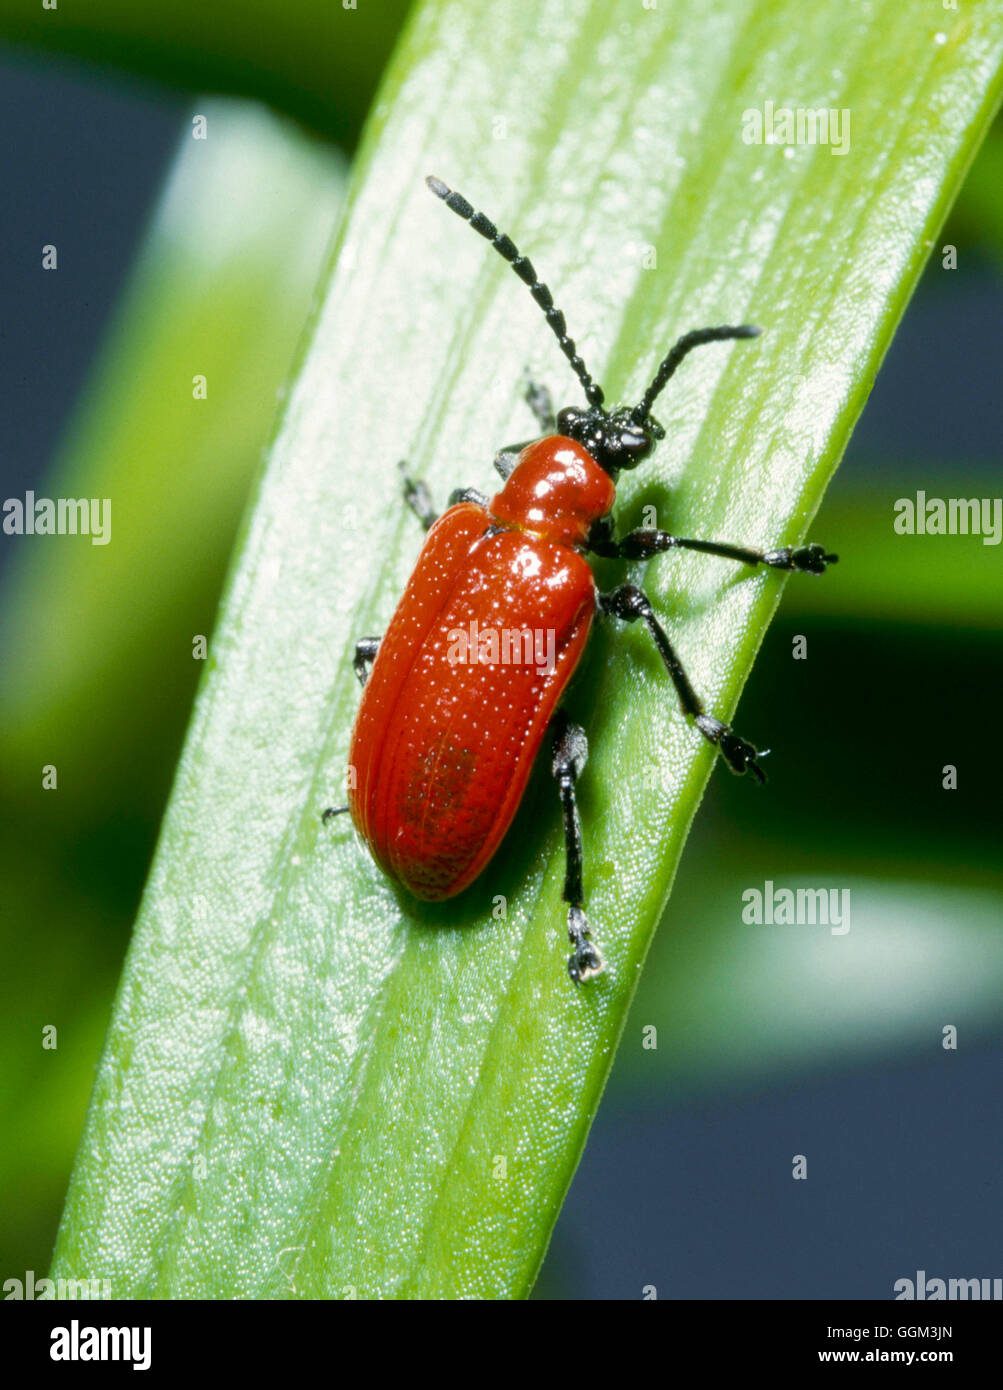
(313, 1085)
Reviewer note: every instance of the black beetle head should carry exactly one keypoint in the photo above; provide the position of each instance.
(615, 438)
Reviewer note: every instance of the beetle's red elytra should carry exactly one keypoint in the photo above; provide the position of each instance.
(465, 685)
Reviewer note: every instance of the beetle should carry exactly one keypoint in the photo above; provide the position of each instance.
(448, 729)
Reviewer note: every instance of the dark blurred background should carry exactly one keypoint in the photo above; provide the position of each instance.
(684, 1180)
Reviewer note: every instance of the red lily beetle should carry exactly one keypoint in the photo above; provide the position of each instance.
(466, 683)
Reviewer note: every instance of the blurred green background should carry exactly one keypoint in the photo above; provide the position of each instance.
(762, 1032)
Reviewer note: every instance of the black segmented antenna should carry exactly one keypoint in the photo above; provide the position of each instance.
(523, 267)
(686, 344)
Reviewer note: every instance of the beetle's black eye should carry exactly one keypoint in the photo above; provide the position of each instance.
(634, 442)
(630, 441)
(567, 419)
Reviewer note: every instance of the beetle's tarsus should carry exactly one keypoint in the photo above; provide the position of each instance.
(740, 755)
(586, 960)
(418, 497)
(807, 559)
(365, 654)
(541, 403)
(331, 812)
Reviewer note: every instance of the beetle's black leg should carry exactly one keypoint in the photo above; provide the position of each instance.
(365, 655)
(640, 544)
(629, 603)
(418, 497)
(467, 494)
(570, 750)
(539, 400)
(506, 459)
(541, 403)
